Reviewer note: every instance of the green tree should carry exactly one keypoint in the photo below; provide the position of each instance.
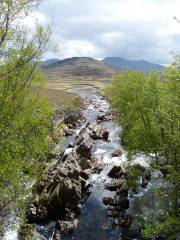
(149, 112)
(24, 115)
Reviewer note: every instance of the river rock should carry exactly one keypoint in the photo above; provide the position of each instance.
(61, 188)
(112, 213)
(98, 132)
(68, 132)
(85, 163)
(116, 153)
(93, 159)
(125, 221)
(123, 189)
(84, 141)
(123, 202)
(104, 117)
(146, 178)
(74, 118)
(97, 168)
(70, 145)
(66, 226)
(115, 184)
(107, 200)
(83, 145)
(115, 172)
(58, 115)
(85, 174)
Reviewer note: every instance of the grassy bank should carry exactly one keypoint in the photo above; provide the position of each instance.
(56, 89)
(71, 82)
(67, 101)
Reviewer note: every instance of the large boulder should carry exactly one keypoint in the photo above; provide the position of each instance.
(60, 189)
(83, 145)
(123, 189)
(116, 172)
(85, 163)
(96, 132)
(115, 184)
(85, 140)
(74, 118)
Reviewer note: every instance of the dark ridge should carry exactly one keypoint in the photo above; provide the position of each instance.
(138, 65)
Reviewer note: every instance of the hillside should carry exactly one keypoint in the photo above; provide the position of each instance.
(79, 67)
(141, 65)
(49, 62)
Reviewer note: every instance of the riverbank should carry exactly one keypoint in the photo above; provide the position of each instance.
(105, 166)
(86, 193)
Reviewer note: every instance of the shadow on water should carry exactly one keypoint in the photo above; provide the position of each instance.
(94, 223)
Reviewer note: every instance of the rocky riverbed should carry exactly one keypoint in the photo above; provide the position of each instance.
(91, 191)
(58, 196)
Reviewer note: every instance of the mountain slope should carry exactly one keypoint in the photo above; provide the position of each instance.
(141, 65)
(79, 67)
(49, 62)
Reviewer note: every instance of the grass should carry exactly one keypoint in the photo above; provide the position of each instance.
(67, 83)
(56, 90)
(67, 101)
(82, 71)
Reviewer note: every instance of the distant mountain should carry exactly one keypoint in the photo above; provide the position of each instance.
(141, 65)
(79, 67)
(49, 62)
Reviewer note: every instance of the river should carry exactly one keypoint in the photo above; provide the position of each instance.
(93, 221)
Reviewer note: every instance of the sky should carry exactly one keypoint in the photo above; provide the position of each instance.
(134, 29)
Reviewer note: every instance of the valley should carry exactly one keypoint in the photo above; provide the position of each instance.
(89, 120)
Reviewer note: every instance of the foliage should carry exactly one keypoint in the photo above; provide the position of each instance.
(24, 116)
(165, 228)
(148, 110)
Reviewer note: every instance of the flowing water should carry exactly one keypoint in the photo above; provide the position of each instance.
(93, 221)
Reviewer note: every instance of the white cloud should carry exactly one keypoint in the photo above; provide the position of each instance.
(35, 17)
(77, 48)
(137, 29)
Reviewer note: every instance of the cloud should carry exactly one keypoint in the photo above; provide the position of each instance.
(135, 29)
(33, 18)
